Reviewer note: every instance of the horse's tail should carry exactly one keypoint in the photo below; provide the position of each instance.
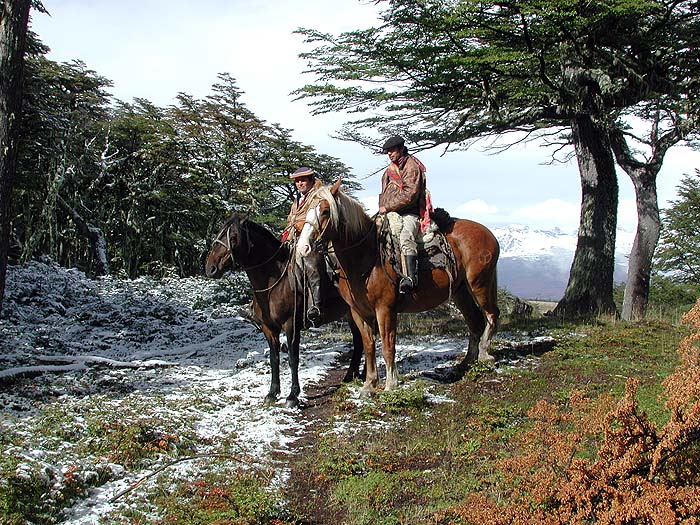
(442, 218)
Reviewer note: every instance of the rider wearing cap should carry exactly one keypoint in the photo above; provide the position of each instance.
(306, 184)
(404, 192)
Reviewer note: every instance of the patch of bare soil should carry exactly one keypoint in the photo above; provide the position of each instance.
(308, 497)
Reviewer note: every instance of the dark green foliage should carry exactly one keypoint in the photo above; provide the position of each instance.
(451, 71)
(155, 182)
(678, 254)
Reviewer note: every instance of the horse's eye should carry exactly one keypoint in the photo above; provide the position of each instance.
(325, 213)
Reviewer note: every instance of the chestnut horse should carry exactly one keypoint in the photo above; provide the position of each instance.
(369, 284)
(277, 303)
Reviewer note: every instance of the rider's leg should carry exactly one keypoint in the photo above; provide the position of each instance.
(313, 265)
(409, 253)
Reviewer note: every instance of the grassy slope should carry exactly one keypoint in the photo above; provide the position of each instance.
(432, 456)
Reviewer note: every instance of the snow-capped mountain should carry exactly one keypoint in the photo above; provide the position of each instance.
(535, 264)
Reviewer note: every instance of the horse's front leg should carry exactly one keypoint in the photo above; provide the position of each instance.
(367, 334)
(386, 318)
(293, 336)
(273, 339)
(354, 368)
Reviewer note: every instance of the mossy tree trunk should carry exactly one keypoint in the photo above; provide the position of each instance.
(590, 287)
(14, 16)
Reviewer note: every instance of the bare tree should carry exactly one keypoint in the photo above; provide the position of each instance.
(667, 129)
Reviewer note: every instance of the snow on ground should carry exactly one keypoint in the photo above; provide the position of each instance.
(173, 349)
(80, 358)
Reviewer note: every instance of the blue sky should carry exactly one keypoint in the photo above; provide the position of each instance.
(155, 49)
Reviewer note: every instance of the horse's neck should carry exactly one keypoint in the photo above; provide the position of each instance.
(263, 261)
(357, 253)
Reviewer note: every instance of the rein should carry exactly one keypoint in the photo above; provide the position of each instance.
(373, 226)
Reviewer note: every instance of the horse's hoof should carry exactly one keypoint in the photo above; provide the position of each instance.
(292, 402)
(269, 400)
(366, 392)
(351, 375)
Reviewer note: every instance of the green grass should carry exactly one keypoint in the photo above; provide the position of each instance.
(404, 458)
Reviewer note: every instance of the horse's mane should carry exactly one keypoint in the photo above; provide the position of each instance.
(354, 218)
(250, 227)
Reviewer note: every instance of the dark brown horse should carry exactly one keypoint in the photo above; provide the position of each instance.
(369, 284)
(277, 301)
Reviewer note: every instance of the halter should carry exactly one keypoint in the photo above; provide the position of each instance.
(313, 226)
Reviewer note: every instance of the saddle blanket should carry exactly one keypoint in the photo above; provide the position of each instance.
(434, 250)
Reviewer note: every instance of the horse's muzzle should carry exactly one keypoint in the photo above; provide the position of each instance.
(303, 248)
(211, 270)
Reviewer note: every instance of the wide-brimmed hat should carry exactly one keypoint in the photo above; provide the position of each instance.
(393, 142)
(302, 172)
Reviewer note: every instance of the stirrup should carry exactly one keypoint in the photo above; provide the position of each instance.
(313, 314)
(407, 285)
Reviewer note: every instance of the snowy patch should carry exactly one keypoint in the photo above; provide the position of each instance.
(172, 359)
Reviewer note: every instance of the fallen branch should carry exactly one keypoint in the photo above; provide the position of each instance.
(61, 364)
(160, 469)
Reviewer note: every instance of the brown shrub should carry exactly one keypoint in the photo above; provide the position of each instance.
(603, 462)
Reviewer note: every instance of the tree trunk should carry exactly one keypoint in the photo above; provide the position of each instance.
(636, 298)
(590, 287)
(93, 234)
(14, 16)
(643, 176)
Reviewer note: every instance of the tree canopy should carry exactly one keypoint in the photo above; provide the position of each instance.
(155, 183)
(450, 71)
(678, 254)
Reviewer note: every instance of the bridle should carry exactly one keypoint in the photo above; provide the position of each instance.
(227, 247)
(314, 227)
(229, 250)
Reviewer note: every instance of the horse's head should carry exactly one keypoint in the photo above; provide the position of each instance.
(220, 256)
(321, 219)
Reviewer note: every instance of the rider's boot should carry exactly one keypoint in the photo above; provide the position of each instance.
(409, 281)
(313, 314)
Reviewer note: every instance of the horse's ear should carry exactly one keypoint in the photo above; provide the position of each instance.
(336, 186)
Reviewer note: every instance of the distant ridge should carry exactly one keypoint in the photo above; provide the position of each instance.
(535, 264)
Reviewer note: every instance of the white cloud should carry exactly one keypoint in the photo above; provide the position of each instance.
(371, 202)
(477, 207)
(627, 215)
(551, 211)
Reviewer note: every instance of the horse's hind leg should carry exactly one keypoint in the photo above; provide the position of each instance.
(476, 322)
(486, 297)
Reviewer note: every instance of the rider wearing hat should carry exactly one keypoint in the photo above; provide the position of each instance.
(306, 184)
(404, 192)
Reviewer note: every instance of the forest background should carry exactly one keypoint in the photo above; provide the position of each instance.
(237, 175)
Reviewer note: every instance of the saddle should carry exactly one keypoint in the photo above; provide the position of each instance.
(434, 251)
